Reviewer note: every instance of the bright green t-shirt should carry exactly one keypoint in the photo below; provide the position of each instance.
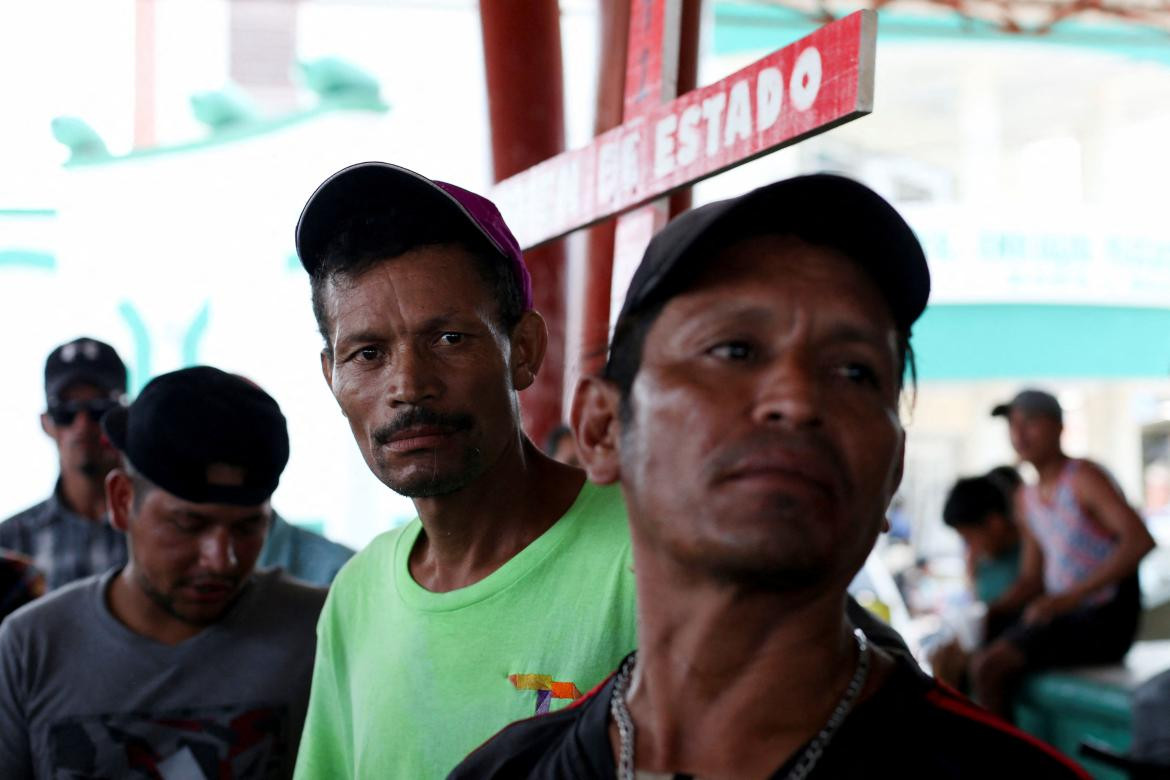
(408, 682)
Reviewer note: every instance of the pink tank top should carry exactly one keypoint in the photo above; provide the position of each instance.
(1072, 542)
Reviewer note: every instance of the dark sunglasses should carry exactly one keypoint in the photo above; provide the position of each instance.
(66, 412)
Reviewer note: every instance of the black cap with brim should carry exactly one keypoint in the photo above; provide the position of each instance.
(204, 436)
(822, 209)
(83, 361)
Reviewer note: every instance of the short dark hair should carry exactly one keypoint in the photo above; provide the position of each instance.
(142, 485)
(629, 338)
(366, 240)
(972, 501)
(554, 438)
(1007, 478)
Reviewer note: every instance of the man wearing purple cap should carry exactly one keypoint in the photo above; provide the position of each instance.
(511, 594)
(1077, 595)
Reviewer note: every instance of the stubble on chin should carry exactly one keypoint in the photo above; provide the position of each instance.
(432, 483)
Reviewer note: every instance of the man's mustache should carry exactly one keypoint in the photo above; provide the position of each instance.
(417, 417)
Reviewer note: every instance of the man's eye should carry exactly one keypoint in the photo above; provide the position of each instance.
(860, 373)
(187, 526)
(451, 339)
(367, 354)
(732, 350)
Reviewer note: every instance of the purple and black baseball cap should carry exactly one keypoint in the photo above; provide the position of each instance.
(375, 188)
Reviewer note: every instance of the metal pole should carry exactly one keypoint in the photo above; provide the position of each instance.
(522, 61)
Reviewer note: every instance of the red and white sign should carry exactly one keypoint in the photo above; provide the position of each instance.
(810, 86)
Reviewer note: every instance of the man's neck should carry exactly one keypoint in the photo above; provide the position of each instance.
(469, 534)
(139, 613)
(732, 681)
(1048, 469)
(83, 495)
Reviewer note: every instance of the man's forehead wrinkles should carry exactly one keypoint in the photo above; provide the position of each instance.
(367, 303)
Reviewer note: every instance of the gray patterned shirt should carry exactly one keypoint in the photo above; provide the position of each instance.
(64, 545)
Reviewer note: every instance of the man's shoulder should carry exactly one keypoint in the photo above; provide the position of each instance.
(318, 544)
(59, 610)
(604, 503)
(572, 742)
(374, 563)
(32, 516)
(599, 512)
(278, 588)
(951, 729)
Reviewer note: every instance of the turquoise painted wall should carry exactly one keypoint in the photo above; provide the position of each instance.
(1022, 341)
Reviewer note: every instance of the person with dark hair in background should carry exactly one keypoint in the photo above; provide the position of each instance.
(68, 535)
(1081, 545)
(1009, 481)
(980, 511)
(511, 594)
(183, 662)
(559, 445)
(20, 582)
(749, 409)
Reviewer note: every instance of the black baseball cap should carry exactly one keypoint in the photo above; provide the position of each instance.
(823, 209)
(84, 361)
(379, 188)
(203, 435)
(1032, 402)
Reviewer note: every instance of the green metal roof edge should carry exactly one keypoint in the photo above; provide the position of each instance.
(24, 213)
(244, 132)
(741, 27)
(27, 258)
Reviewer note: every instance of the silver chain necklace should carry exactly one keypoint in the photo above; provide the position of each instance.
(808, 757)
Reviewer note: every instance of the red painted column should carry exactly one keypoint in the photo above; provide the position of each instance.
(522, 61)
(688, 77)
(613, 43)
(611, 83)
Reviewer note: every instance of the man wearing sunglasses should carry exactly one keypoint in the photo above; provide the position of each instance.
(68, 535)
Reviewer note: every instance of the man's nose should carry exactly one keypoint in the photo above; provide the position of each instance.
(217, 552)
(413, 377)
(86, 419)
(788, 393)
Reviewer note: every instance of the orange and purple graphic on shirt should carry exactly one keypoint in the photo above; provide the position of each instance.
(546, 689)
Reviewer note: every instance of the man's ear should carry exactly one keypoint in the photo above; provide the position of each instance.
(529, 344)
(597, 428)
(119, 498)
(896, 480)
(327, 367)
(47, 425)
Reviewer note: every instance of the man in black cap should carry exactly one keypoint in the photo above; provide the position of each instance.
(182, 663)
(1081, 543)
(760, 354)
(68, 535)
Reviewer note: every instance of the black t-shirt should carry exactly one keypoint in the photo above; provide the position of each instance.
(910, 728)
